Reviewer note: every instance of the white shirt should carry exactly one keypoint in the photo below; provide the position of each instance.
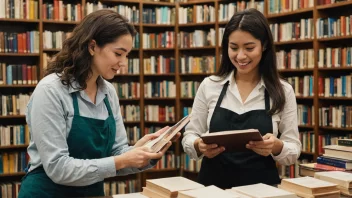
(205, 102)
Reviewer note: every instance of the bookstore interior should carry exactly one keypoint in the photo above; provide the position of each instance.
(177, 45)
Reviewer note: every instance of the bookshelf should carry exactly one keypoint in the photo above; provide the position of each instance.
(178, 56)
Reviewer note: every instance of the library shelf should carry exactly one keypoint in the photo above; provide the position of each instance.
(335, 98)
(159, 75)
(305, 97)
(296, 70)
(158, 3)
(57, 22)
(158, 25)
(51, 50)
(18, 86)
(12, 116)
(159, 98)
(335, 38)
(12, 174)
(20, 54)
(197, 2)
(10, 20)
(292, 13)
(128, 99)
(306, 126)
(349, 129)
(334, 5)
(335, 68)
(159, 49)
(198, 48)
(196, 24)
(299, 41)
(161, 170)
(21, 146)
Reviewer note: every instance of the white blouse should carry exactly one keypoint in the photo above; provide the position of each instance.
(205, 102)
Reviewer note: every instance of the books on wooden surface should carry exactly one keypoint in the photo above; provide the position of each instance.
(310, 187)
(263, 191)
(343, 152)
(131, 195)
(158, 143)
(235, 140)
(169, 187)
(308, 169)
(206, 192)
(340, 178)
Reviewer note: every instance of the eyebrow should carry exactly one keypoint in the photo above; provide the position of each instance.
(249, 43)
(121, 48)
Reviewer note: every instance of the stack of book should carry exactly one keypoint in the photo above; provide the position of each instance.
(261, 191)
(336, 158)
(342, 179)
(310, 187)
(207, 192)
(168, 187)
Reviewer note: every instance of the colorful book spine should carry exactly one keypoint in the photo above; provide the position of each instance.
(332, 162)
(344, 142)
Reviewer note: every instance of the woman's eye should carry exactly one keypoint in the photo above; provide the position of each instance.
(117, 54)
(234, 49)
(250, 49)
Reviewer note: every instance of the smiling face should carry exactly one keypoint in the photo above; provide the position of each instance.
(245, 52)
(107, 60)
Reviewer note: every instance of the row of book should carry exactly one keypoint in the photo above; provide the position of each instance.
(130, 113)
(186, 111)
(279, 6)
(303, 86)
(335, 86)
(189, 89)
(339, 116)
(293, 30)
(133, 134)
(159, 15)
(159, 40)
(19, 42)
(295, 59)
(193, 64)
(24, 9)
(13, 162)
(330, 139)
(14, 135)
(18, 74)
(9, 190)
(168, 161)
(198, 38)
(120, 187)
(13, 104)
(54, 40)
(227, 10)
(156, 113)
(305, 115)
(160, 89)
(60, 11)
(128, 90)
(196, 14)
(333, 27)
(335, 57)
(308, 141)
(159, 65)
(190, 164)
(132, 68)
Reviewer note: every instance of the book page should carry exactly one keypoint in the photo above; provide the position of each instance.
(263, 190)
(208, 192)
(174, 184)
(339, 175)
(309, 182)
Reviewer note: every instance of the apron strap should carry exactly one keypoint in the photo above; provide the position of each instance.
(267, 101)
(106, 101)
(222, 94)
(75, 103)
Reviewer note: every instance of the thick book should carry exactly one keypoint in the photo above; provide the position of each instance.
(233, 141)
(261, 190)
(170, 186)
(344, 152)
(341, 163)
(206, 192)
(340, 178)
(158, 143)
(344, 142)
(308, 185)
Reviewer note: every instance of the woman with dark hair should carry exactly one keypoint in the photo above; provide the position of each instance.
(245, 93)
(77, 132)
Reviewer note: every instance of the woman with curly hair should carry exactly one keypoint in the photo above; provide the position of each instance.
(77, 133)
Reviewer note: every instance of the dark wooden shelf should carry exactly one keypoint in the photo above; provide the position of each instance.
(335, 98)
(197, 24)
(305, 97)
(163, 98)
(12, 174)
(120, 1)
(292, 13)
(198, 48)
(12, 116)
(126, 75)
(197, 74)
(335, 38)
(51, 50)
(158, 3)
(128, 99)
(19, 54)
(196, 2)
(159, 122)
(131, 122)
(158, 25)
(161, 170)
(306, 126)
(335, 128)
(188, 171)
(186, 98)
(334, 5)
(22, 146)
(160, 75)
(222, 23)
(49, 21)
(17, 86)
(19, 20)
(159, 49)
(334, 68)
(296, 70)
(307, 153)
(294, 42)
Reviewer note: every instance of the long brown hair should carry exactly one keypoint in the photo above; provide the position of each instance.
(254, 22)
(74, 61)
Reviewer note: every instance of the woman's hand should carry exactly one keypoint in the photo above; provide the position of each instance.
(209, 150)
(270, 145)
(138, 157)
(151, 136)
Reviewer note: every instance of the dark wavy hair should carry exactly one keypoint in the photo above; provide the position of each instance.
(254, 22)
(74, 61)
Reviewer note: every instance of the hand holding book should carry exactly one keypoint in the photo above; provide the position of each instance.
(270, 144)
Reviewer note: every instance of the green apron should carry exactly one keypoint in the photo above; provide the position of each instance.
(88, 139)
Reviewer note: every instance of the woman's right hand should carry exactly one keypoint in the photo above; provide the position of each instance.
(208, 150)
(138, 157)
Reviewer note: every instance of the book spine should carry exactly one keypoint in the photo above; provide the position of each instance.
(342, 142)
(331, 162)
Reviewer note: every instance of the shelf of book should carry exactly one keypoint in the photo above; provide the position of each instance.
(294, 42)
(292, 13)
(335, 38)
(334, 5)
(19, 54)
(349, 129)
(19, 20)
(12, 174)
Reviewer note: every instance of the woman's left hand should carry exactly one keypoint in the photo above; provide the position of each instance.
(266, 147)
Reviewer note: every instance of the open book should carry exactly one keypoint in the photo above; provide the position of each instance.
(235, 140)
(158, 143)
